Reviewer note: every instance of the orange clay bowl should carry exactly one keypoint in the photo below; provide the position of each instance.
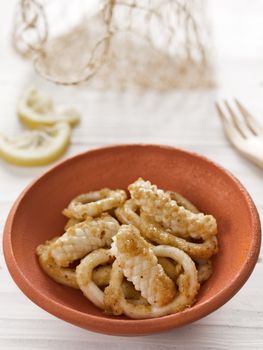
(36, 217)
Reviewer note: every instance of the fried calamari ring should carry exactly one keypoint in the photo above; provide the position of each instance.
(158, 204)
(89, 283)
(72, 222)
(82, 238)
(135, 277)
(101, 277)
(131, 293)
(94, 203)
(140, 266)
(67, 276)
(84, 273)
(187, 282)
(203, 266)
(171, 269)
(182, 201)
(204, 269)
(128, 214)
(62, 275)
(203, 250)
(152, 231)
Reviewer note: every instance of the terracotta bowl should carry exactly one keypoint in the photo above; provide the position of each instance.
(36, 217)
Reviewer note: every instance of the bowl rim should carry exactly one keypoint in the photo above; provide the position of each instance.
(115, 326)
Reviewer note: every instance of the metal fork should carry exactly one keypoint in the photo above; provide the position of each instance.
(243, 131)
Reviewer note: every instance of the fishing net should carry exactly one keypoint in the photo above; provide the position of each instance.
(120, 44)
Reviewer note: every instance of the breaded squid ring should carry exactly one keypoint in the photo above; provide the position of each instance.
(171, 269)
(84, 273)
(82, 238)
(158, 204)
(203, 250)
(62, 275)
(204, 269)
(101, 277)
(140, 266)
(183, 202)
(187, 282)
(72, 222)
(154, 232)
(94, 203)
(67, 276)
(89, 281)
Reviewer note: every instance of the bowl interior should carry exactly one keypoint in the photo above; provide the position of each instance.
(38, 217)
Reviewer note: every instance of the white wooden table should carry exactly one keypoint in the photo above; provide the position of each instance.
(186, 120)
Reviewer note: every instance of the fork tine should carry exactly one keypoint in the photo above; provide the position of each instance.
(251, 122)
(220, 113)
(232, 134)
(243, 129)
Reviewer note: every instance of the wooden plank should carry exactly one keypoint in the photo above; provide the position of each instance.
(53, 334)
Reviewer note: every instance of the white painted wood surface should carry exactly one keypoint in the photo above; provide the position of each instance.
(181, 119)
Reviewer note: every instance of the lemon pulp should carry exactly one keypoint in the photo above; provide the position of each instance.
(36, 109)
(36, 147)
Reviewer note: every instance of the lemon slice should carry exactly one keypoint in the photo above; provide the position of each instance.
(36, 109)
(36, 147)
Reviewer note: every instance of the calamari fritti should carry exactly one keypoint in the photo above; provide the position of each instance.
(83, 238)
(68, 277)
(84, 272)
(140, 266)
(89, 280)
(94, 203)
(62, 275)
(127, 214)
(114, 298)
(182, 201)
(158, 204)
(144, 256)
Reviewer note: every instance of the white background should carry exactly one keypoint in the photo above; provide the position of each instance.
(186, 120)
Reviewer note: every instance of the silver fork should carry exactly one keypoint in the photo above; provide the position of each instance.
(243, 131)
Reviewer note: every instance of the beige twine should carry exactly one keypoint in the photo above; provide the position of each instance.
(145, 44)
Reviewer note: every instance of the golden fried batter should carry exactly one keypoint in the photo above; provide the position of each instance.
(158, 205)
(83, 238)
(94, 203)
(159, 255)
(140, 266)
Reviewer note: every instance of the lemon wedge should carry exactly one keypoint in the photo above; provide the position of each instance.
(36, 109)
(36, 147)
